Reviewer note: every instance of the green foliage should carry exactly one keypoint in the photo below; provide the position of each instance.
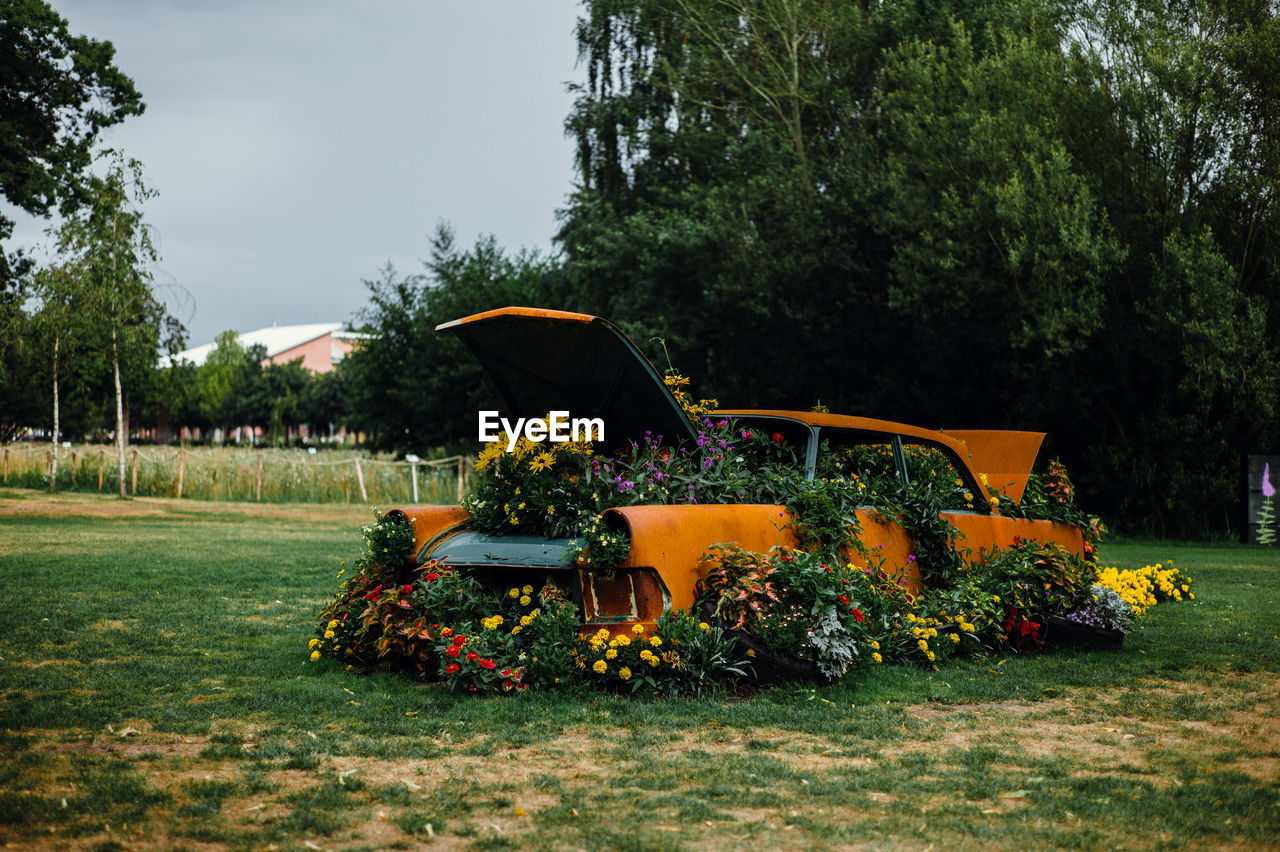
(1069, 201)
(410, 388)
(216, 377)
(1038, 579)
(58, 92)
(685, 656)
(795, 603)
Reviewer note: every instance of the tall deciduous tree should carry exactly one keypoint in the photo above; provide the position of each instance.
(61, 322)
(216, 379)
(58, 91)
(1042, 214)
(410, 388)
(111, 246)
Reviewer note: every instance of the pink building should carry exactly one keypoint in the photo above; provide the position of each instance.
(319, 345)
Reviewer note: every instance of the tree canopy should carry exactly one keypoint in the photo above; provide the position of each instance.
(1036, 214)
(58, 91)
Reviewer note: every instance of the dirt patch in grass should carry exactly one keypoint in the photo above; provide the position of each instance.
(16, 502)
(522, 793)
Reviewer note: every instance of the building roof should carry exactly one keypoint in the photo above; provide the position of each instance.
(277, 339)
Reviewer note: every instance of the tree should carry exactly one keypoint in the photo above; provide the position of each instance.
(411, 388)
(111, 246)
(58, 91)
(216, 379)
(1075, 201)
(60, 322)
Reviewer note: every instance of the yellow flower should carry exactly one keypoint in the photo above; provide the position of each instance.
(751, 653)
(653, 662)
(600, 667)
(328, 634)
(332, 624)
(875, 645)
(646, 654)
(702, 625)
(525, 600)
(955, 637)
(528, 590)
(877, 658)
(655, 641)
(637, 628)
(623, 640)
(517, 629)
(923, 645)
(930, 656)
(313, 643)
(526, 620)
(513, 593)
(610, 654)
(315, 655)
(624, 673)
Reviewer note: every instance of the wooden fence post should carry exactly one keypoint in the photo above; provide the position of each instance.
(134, 492)
(6, 465)
(462, 472)
(257, 488)
(102, 461)
(182, 470)
(364, 495)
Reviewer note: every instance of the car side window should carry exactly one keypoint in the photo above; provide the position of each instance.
(933, 468)
(867, 457)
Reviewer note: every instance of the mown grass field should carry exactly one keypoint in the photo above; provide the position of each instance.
(155, 693)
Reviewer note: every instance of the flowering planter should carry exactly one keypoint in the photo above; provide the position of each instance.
(768, 666)
(1062, 632)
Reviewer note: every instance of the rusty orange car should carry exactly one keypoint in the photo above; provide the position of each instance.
(544, 361)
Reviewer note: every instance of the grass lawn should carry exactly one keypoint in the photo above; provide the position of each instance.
(155, 693)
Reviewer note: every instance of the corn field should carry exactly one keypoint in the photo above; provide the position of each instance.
(240, 474)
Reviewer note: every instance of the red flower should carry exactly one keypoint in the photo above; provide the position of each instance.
(406, 589)
(453, 651)
(487, 664)
(430, 577)
(472, 656)
(452, 668)
(777, 436)
(459, 640)
(857, 615)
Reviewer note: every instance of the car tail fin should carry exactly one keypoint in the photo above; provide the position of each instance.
(1005, 456)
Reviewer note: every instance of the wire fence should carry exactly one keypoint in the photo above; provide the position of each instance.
(241, 474)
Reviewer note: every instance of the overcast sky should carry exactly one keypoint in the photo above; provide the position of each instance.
(299, 145)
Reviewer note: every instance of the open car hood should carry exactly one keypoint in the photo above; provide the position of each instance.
(543, 361)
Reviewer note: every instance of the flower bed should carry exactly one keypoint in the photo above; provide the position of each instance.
(785, 615)
(814, 611)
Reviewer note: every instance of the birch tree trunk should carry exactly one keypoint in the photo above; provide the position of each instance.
(121, 438)
(53, 467)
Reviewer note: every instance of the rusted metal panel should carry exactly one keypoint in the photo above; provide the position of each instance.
(540, 313)
(630, 596)
(994, 532)
(430, 522)
(1006, 457)
(672, 539)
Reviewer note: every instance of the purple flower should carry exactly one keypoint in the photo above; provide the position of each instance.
(1268, 490)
